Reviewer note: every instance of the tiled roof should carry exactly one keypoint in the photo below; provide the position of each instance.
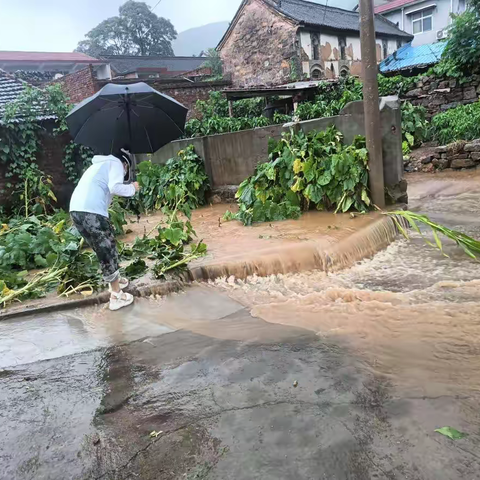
(36, 78)
(409, 57)
(393, 5)
(10, 89)
(332, 17)
(68, 57)
(126, 64)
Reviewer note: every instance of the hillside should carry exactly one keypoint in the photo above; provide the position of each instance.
(195, 40)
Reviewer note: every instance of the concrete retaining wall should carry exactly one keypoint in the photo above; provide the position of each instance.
(232, 157)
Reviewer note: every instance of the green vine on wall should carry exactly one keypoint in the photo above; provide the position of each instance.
(76, 160)
(23, 122)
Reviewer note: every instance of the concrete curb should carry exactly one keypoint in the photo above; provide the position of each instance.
(159, 289)
(294, 259)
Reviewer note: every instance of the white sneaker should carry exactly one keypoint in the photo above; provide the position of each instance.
(123, 283)
(120, 300)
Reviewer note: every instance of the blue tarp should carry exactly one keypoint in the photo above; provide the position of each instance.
(408, 57)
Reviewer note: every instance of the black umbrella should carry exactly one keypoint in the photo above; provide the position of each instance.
(135, 115)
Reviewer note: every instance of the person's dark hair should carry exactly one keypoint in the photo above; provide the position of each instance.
(124, 158)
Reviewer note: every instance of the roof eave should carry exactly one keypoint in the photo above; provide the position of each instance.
(394, 9)
(357, 32)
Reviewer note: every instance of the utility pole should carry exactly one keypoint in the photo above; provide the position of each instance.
(371, 102)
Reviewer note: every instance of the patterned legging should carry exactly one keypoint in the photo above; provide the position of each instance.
(99, 234)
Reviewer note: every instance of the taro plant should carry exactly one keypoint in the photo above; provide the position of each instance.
(414, 126)
(304, 171)
(181, 177)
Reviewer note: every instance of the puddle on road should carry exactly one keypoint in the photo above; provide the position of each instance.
(198, 309)
(40, 337)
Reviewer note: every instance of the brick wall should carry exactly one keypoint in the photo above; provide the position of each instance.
(78, 85)
(261, 48)
(188, 93)
(440, 94)
(49, 160)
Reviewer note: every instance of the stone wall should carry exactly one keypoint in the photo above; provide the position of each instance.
(455, 156)
(78, 85)
(438, 95)
(261, 48)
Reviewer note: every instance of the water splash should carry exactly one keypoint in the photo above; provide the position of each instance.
(321, 254)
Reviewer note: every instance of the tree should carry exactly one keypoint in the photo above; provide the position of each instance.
(462, 51)
(135, 31)
(214, 62)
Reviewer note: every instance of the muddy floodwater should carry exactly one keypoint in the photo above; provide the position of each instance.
(321, 374)
(410, 312)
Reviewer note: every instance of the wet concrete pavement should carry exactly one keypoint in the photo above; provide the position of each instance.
(222, 396)
(348, 378)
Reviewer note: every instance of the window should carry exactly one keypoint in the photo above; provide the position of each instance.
(316, 72)
(399, 44)
(342, 44)
(385, 48)
(315, 45)
(461, 6)
(422, 21)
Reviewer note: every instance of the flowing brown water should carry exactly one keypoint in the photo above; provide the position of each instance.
(318, 240)
(320, 253)
(413, 314)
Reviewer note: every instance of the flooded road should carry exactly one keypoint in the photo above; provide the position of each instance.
(303, 376)
(410, 312)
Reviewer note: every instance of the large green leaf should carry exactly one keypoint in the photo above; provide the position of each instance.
(451, 433)
(136, 269)
(174, 235)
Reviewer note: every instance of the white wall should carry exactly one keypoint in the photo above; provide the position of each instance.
(332, 40)
(395, 17)
(440, 19)
(357, 51)
(306, 43)
(352, 50)
(392, 46)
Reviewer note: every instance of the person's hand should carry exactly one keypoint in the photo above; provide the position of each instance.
(137, 186)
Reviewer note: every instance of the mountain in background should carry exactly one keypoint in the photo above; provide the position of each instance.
(194, 41)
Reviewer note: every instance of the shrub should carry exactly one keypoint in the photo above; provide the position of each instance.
(182, 178)
(216, 124)
(305, 170)
(414, 125)
(463, 45)
(331, 99)
(397, 85)
(460, 123)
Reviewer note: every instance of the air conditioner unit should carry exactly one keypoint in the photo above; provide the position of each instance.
(441, 34)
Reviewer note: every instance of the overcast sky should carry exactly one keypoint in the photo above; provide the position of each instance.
(58, 25)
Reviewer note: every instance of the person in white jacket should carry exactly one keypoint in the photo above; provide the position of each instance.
(89, 206)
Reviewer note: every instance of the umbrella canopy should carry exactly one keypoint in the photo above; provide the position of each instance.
(135, 115)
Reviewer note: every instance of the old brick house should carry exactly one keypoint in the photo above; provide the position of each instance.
(271, 42)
